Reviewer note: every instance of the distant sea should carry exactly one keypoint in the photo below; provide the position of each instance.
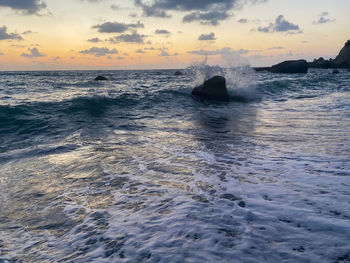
(135, 169)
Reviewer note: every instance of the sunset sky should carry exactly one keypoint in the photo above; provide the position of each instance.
(149, 34)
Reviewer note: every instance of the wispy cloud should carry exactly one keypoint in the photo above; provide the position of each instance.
(94, 40)
(223, 51)
(323, 18)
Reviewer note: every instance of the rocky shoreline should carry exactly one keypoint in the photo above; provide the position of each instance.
(301, 66)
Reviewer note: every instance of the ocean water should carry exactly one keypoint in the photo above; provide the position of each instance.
(135, 169)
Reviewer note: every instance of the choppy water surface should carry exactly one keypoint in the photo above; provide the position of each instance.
(136, 170)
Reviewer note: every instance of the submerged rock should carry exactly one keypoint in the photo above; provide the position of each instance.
(178, 73)
(213, 89)
(291, 66)
(101, 78)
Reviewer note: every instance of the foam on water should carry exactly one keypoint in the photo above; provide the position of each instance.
(155, 176)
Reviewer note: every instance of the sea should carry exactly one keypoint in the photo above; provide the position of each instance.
(136, 169)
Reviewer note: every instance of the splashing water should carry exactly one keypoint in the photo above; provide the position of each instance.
(241, 81)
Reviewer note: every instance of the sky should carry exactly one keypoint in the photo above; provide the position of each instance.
(160, 34)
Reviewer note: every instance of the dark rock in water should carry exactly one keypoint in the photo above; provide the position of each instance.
(343, 59)
(178, 73)
(322, 63)
(291, 66)
(213, 89)
(101, 78)
(335, 71)
(230, 197)
(242, 204)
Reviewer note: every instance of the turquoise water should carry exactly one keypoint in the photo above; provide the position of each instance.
(135, 169)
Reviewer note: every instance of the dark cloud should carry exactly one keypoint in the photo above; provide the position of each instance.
(149, 48)
(206, 18)
(162, 32)
(33, 53)
(129, 38)
(140, 51)
(28, 7)
(323, 19)
(204, 37)
(281, 25)
(99, 52)
(8, 36)
(223, 51)
(94, 40)
(203, 10)
(116, 27)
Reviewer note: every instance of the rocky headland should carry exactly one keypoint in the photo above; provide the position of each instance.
(291, 66)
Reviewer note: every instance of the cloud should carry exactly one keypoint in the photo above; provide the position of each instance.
(115, 7)
(205, 10)
(92, 1)
(163, 53)
(99, 52)
(129, 38)
(94, 40)
(281, 25)
(204, 37)
(162, 32)
(116, 27)
(223, 51)
(276, 48)
(1, 54)
(140, 51)
(28, 32)
(323, 18)
(8, 36)
(33, 53)
(207, 18)
(243, 20)
(28, 7)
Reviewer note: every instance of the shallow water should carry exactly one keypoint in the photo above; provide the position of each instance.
(134, 169)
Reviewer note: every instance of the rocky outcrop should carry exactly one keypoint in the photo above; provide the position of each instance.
(343, 59)
(322, 63)
(335, 71)
(213, 89)
(291, 67)
(101, 78)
